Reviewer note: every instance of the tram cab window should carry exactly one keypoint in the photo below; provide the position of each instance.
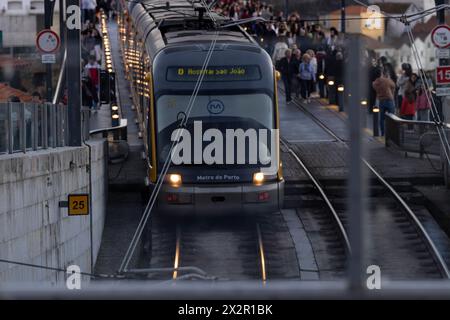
(248, 111)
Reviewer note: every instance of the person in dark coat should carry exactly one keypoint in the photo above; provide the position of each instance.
(286, 66)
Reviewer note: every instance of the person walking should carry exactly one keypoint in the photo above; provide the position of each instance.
(384, 88)
(408, 109)
(401, 83)
(423, 105)
(296, 60)
(287, 69)
(307, 78)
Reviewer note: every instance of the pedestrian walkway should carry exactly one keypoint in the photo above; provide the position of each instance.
(329, 157)
(131, 173)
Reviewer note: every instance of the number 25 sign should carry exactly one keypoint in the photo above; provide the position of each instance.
(443, 75)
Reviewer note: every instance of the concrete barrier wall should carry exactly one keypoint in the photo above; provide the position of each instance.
(33, 229)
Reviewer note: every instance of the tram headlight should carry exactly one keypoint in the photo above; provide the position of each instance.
(376, 109)
(340, 88)
(331, 83)
(321, 77)
(258, 178)
(364, 102)
(175, 179)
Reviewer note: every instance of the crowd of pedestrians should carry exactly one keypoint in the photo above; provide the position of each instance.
(91, 51)
(308, 56)
(404, 94)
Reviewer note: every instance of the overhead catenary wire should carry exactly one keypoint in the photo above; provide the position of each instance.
(32, 265)
(161, 178)
(163, 8)
(434, 111)
(166, 166)
(437, 120)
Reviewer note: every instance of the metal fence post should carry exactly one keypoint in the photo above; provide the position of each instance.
(44, 126)
(356, 186)
(34, 127)
(58, 126)
(22, 129)
(10, 129)
(52, 125)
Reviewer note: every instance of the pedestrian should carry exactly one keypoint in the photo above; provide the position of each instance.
(401, 83)
(385, 89)
(279, 50)
(36, 97)
(89, 10)
(313, 63)
(307, 77)
(286, 68)
(408, 109)
(92, 71)
(423, 105)
(296, 60)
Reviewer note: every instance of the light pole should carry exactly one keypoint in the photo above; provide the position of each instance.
(49, 6)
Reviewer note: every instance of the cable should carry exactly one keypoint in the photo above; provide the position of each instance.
(438, 122)
(155, 192)
(164, 8)
(93, 275)
(434, 111)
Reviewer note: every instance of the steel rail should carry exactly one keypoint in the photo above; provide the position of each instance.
(425, 236)
(324, 196)
(261, 254)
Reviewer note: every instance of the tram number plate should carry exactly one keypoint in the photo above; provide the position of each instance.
(78, 204)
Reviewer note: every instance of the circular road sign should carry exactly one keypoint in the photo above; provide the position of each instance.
(441, 36)
(47, 41)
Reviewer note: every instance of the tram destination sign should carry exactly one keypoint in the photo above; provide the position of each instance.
(213, 73)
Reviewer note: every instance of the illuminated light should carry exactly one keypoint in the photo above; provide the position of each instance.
(376, 109)
(114, 108)
(321, 77)
(110, 70)
(364, 102)
(258, 178)
(115, 116)
(262, 39)
(340, 88)
(175, 179)
(278, 75)
(172, 197)
(331, 83)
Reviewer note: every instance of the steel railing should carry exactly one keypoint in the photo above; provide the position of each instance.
(32, 126)
(419, 137)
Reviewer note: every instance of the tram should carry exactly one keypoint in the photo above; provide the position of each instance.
(225, 127)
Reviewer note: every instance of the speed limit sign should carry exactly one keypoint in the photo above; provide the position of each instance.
(47, 41)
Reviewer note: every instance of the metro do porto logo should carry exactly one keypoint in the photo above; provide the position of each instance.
(215, 107)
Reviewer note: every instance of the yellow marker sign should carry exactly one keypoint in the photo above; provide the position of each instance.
(78, 204)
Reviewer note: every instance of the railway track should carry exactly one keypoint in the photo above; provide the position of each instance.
(399, 240)
(223, 248)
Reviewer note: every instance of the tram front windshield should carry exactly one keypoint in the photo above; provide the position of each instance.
(222, 112)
